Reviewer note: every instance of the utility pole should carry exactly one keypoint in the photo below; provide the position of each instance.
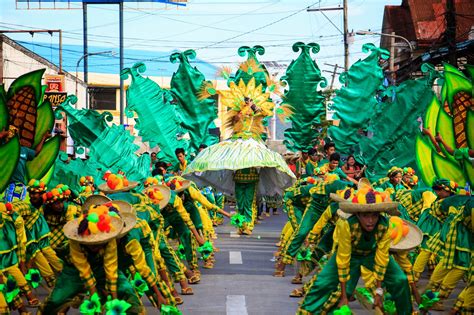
(346, 39)
(333, 73)
(345, 32)
(450, 34)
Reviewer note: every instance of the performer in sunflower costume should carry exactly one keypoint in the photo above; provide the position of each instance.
(243, 165)
(92, 263)
(38, 247)
(362, 240)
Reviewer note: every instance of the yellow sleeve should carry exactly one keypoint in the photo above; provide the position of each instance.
(22, 208)
(20, 238)
(428, 199)
(72, 212)
(320, 224)
(79, 260)
(344, 249)
(382, 256)
(403, 261)
(197, 196)
(110, 266)
(178, 206)
(134, 249)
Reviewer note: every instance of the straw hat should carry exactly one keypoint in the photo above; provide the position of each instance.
(104, 188)
(93, 200)
(184, 184)
(337, 198)
(165, 191)
(126, 211)
(349, 207)
(71, 232)
(412, 240)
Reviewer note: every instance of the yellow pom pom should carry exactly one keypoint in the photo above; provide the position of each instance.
(93, 228)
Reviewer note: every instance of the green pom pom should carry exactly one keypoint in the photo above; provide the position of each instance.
(212, 91)
(280, 111)
(93, 217)
(80, 150)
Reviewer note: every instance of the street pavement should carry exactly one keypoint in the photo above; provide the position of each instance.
(241, 281)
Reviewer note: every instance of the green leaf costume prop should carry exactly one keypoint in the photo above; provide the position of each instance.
(111, 147)
(303, 77)
(157, 120)
(355, 102)
(195, 111)
(394, 125)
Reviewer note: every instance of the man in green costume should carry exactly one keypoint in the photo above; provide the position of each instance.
(329, 149)
(318, 203)
(362, 240)
(246, 181)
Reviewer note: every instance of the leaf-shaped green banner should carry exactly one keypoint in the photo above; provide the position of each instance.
(303, 78)
(195, 114)
(157, 120)
(355, 102)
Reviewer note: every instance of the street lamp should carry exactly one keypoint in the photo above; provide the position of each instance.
(108, 52)
(388, 35)
(392, 52)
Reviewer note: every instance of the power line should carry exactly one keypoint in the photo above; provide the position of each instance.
(258, 28)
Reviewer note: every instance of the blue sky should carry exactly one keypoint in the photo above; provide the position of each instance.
(215, 29)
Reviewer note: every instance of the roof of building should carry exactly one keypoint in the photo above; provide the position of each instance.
(34, 55)
(423, 21)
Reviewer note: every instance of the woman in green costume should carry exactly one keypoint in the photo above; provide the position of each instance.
(148, 209)
(392, 183)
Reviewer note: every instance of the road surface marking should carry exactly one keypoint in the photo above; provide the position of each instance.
(234, 234)
(235, 258)
(235, 305)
